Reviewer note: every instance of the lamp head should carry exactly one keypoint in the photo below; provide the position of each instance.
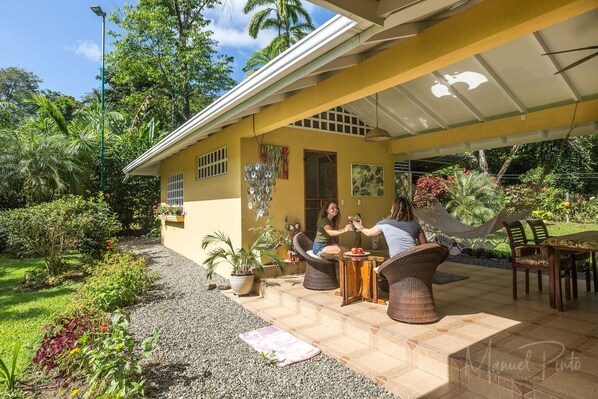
(377, 134)
(98, 11)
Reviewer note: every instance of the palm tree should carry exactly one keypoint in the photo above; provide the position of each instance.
(39, 163)
(474, 197)
(288, 17)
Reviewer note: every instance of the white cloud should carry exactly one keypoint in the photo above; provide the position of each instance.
(229, 25)
(89, 49)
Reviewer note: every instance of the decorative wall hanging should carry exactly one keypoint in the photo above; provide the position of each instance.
(261, 181)
(367, 180)
(278, 156)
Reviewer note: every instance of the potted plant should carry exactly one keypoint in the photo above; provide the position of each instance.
(242, 260)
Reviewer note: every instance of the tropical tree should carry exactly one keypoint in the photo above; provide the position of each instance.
(167, 55)
(16, 85)
(473, 197)
(288, 18)
(38, 164)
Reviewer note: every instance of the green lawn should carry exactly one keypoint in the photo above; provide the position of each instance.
(24, 314)
(554, 229)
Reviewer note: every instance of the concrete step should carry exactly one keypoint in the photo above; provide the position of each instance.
(352, 343)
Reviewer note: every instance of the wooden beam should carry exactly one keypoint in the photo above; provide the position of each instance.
(587, 111)
(483, 26)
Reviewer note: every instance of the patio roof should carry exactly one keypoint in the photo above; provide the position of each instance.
(453, 76)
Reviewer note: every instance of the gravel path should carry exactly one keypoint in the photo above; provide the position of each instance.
(200, 354)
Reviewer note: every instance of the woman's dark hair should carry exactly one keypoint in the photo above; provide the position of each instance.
(401, 210)
(324, 213)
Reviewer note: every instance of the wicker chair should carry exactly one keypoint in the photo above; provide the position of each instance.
(320, 274)
(410, 275)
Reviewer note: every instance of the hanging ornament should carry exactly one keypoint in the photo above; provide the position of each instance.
(261, 179)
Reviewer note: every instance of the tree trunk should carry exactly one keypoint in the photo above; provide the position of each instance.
(482, 160)
(507, 162)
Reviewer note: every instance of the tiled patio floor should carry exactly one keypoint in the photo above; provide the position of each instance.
(484, 344)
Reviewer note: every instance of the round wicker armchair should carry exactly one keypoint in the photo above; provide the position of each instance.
(320, 274)
(410, 275)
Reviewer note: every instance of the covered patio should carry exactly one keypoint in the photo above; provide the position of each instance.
(485, 343)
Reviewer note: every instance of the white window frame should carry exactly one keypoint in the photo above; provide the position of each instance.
(174, 189)
(214, 163)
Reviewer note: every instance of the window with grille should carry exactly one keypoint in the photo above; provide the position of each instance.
(336, 120)
(403, 167)
(213, 163)
(174, 189)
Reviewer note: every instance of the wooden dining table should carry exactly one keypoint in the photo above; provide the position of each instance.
(585, 241)
(357, 279)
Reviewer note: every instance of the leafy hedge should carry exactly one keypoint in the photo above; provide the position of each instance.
(116, 282)
(52, 229)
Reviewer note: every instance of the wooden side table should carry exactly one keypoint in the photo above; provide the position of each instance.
(358, 280)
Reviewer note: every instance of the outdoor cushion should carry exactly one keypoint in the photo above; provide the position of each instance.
(311, 253)
(535, 259)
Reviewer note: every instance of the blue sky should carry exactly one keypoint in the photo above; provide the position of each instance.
(60, 40)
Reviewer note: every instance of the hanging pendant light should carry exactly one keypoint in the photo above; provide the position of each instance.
(377, 133)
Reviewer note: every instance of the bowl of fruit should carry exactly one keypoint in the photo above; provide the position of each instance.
(356, 252)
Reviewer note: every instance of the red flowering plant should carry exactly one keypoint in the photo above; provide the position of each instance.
(59, 351)
(428, 189)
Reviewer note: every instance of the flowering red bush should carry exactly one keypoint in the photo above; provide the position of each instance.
(428, 188)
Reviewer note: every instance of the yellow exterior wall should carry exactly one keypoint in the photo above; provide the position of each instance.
(220, 203)
(210, 204)
(288, 200)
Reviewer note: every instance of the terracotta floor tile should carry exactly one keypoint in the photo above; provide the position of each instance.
(504, 363)
(449, 343)
(343, 345)
(477, 314)
(379, 363)
(570, 384)
(317, 333)
(421, 384)
(476, 331)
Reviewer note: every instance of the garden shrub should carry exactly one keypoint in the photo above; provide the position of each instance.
(116, 282)
(473, 197)
(52, 229)
(111, 362)
(586, 210)
(58, 341)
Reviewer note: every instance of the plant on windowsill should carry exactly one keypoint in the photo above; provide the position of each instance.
(170, 213)
(242, 260)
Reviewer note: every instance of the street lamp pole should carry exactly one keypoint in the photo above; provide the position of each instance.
(98, 11)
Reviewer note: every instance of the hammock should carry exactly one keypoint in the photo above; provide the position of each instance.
(438, 218)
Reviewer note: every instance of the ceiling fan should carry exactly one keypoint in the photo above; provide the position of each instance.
(576, 63)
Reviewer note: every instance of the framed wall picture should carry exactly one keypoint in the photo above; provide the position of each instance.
(367, 180)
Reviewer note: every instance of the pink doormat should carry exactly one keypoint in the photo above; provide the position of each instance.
(279, 346)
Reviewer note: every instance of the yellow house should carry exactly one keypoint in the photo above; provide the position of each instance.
(442, 76)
